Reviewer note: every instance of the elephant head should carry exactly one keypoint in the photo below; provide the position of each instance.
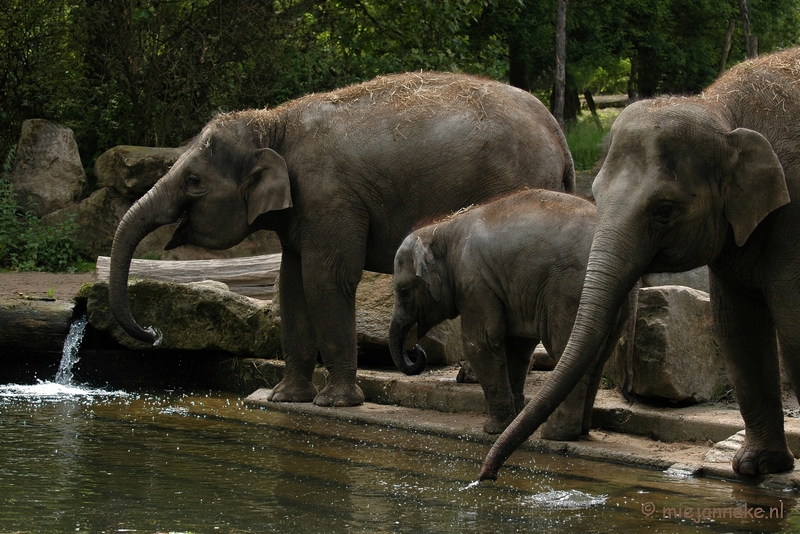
(677, 185)
(421, 297)
(216, 189)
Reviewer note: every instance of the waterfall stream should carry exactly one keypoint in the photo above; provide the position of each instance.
(69, 355)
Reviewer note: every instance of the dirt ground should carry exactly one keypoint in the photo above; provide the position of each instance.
(32, 284)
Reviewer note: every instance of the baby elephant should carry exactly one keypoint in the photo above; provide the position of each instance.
(513, 269)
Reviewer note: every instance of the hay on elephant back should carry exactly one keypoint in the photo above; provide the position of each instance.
(418, 91)
(772, 79)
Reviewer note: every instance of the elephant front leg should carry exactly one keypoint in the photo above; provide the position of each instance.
(332, 304)
(297, 336)
(748, 340)
(484, 348)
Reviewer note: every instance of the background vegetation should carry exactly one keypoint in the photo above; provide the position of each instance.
(152, 72)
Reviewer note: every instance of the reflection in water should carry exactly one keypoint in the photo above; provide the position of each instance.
(204, 463)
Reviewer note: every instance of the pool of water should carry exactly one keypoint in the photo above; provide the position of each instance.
(77, 460)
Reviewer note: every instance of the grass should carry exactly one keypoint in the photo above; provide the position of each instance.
(585, 137)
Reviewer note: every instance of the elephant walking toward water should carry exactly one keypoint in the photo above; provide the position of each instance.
(513, 269)
(709, 180)
(342, 177)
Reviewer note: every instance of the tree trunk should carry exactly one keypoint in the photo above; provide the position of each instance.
(726, 49)
(749, 41)
(561, 53)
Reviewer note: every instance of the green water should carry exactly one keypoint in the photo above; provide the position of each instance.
(205, 463)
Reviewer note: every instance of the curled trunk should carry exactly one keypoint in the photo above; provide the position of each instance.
(397, 345)
(147, 214)
(609, 278)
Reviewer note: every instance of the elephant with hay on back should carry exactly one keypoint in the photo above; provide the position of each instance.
(342, 177)
(707, 180)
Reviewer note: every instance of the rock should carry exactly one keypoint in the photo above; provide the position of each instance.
(97, 218)
(696, 279)
(194, 316)
(35, 324)
(48, 174)
(374, 303)
(676, 356)
(723, 451)
(132, 170)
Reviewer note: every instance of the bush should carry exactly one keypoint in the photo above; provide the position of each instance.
(26, 244)
(585, 137)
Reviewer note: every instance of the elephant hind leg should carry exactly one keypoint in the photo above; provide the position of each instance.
(747, 336)
(519, 352)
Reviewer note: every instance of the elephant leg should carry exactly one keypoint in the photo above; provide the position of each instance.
(331, 296)
(566, 422)
(518, 353)
(297, 336)
(625, 315)
(748, 340)
(484, 347)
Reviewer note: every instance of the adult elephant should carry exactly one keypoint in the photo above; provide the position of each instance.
(342, 177)
(713, 179)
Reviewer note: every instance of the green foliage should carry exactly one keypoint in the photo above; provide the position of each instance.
(585, 137)
(149, 72)
(26, 244)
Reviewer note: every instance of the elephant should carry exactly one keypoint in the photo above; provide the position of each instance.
(712, 179)
(342, 177)
(513, 270)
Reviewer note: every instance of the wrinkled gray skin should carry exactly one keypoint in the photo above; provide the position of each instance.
(711, 180)
(513, 269)
(341, 178)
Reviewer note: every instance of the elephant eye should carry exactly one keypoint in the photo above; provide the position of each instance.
(194, 185)
(404, 293)
(665, 212)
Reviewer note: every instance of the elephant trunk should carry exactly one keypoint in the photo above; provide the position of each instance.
(149, 213)
(398, 332)
(612, 272)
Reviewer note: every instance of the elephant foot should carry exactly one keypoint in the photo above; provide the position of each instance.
(494, 425)
(293, 391)
(340, 396)
(751, 461)
(561, 432)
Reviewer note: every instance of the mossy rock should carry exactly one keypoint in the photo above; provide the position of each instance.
(195, 316)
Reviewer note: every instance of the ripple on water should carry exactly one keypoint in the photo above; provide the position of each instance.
(565, 500)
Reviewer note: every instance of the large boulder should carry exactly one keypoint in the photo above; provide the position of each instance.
(48, 174)
(96, 218)
(676, 356)
(132, 170)
(195, 316)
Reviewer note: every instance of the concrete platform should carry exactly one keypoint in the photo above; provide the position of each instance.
(643, 435)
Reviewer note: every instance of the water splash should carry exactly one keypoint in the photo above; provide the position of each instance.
(69, 355)
(566, 500)
(62, 387)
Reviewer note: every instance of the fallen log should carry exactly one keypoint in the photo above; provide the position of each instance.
(35, 324)
(253, 276)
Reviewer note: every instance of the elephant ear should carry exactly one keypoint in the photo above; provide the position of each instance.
(267, 187)
(425, 267)
(756, 185)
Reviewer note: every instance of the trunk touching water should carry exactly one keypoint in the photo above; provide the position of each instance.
(609, 279)
(147, 214)
(397, 345)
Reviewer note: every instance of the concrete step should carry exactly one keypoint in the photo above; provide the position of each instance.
(639, 434)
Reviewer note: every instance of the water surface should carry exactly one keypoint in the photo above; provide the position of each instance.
(101, 461)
